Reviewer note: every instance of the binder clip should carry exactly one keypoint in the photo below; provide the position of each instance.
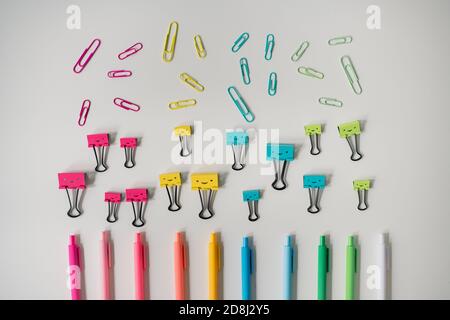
(362, 187)
(199, 47)
(351, 74)
(207, 184)
(315, 185)
(99, 143)
(169, 50)
(270, 44)
(240, 104)
(138, 198)
(280, 154)
(75, 182)
(240, 41)
(272, 84)
(84, 111)
(129, 145)
(314, 131)
(239, 142)
(183, 133)
(113, 199)
(172, 183)
(135, 48)
(86, 56)
(349, 130)
(252, 197)
(245, 70)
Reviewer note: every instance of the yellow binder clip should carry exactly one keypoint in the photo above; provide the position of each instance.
(183, 132)
(190, 81)
(171, 37)
(172, 183)
(175, 105)
(207, 184)
(199, 46)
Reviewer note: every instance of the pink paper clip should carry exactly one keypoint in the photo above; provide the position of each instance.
(74, 181)
(129, 145)
(85, 106)
(113, 199)
(119, 74)
(135, 48)
(127, 105)
(86, 56)
(137, 197)
(99, 143)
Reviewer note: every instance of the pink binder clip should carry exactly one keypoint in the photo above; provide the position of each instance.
(99, 143)
(135, 48)
(86, 56)
(75, 182)
(85, 106)
(119, 74)
(113, 199)
(138, 198)
(127, 105)
(129, 145)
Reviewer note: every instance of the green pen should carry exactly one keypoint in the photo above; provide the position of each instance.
(323, 269)
(350, 269)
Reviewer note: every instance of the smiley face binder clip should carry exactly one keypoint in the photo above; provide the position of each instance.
(129, 145)
(99, 143)
(315, 185)
(362, 187)
(314, 131)
(252, 197)
(349, 130)
(138, 199)
(238, 141)
(206, 184)
(281, 155)
(75, 182)
(172, 183)
(113, 199)
(184, 133)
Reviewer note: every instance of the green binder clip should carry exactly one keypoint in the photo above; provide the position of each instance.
(310, 72)
(340, 40)
(300, 51)
(314, 131)
(240, 41)
(245, 70)
(332, 102)
(272, 85)
(362, 187)
(352, 76)
(349, 130)
(240, 104)
(270, 44)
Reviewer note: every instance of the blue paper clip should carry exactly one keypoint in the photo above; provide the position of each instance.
(315, 185)
(280, 154)
(240, 42)
(245, 70)
(272, 85)
(252, 197)
(270, 44)
(238, 141)
(240, 104)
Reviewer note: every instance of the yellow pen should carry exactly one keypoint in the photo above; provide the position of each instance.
(213, 267)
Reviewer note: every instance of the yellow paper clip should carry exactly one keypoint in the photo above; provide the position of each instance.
(172, 183)
(183, 133)
(189, 80)
(169, 50)
(199, 46)
(175, 105)
(207, 184)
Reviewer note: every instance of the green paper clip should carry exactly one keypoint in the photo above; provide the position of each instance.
(245, 70)
(270, 44)
(240, 42)
(340, 40)
(362, 187)
(330, 102)
(240, 104)
(352, 76)
(314, 131)
(273, 83)
(310, 72)
(349, 130)
(300, 51)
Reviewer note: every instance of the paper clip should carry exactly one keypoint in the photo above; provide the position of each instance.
(99, 143)
(199, 46)
(245, 70)
(352, 76)
(183, 133)
(138, 198)
(75, 182)
(340, 40)
(280, 154)
(135, 48)
(172, 183)
(315, 186)
(300, 51)
(362, 187)
(84, 111)
(86, 56)
(190, 81)
(270, 44)
(169, 50)
(240, 104)
(240, 42)
(207, 184)
(252, 197)
(182, 104)
(113, 199)
(310, 72)
(129, 145)
(348, 130)
(330, 102)
(238, 141)
(119, 74)
(272, 84)
(314, 131)
(127, 105)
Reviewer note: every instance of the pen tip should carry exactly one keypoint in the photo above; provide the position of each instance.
(213, 237)
(179, 236)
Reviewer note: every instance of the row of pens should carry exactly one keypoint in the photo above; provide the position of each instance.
(215, 263)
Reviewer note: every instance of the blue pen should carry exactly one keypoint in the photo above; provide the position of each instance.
(288, 266)
(247, 269)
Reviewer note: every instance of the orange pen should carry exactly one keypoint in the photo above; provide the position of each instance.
(180, 266)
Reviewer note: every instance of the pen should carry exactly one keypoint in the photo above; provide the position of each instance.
(247, 269)
(350, 269)
(213, 267)
(105, 249)
(180, 266)
(140, 265)
(383, 263)
(288, 267)
(74, 268)
(322, 269)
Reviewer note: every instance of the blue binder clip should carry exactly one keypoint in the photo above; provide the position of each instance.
(240, 104)
(272, 85)
(315, 185)
(252, 197)
(270, 44)
(280, 154)
(245, 70)
(238, 141)
(240, 42)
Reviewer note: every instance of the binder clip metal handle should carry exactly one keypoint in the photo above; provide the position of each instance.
(129, 158)
(184, 144)
(100, 158)
(253, 211)
(362, 200)
(172, 192)
(315, 144)
(73, 206)
(356, 153)
(206, 199)
(238, 157)
(314, 195)
(138, 213)
(280, 183)
(113, 208)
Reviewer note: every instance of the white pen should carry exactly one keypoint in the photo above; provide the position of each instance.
(383, 263)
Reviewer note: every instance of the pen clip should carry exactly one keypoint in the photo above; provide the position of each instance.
(183, 255)
(108, 253)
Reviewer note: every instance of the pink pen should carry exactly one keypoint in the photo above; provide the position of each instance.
(180, 266)
(74, 268)
(140, 265)
(105, 248)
